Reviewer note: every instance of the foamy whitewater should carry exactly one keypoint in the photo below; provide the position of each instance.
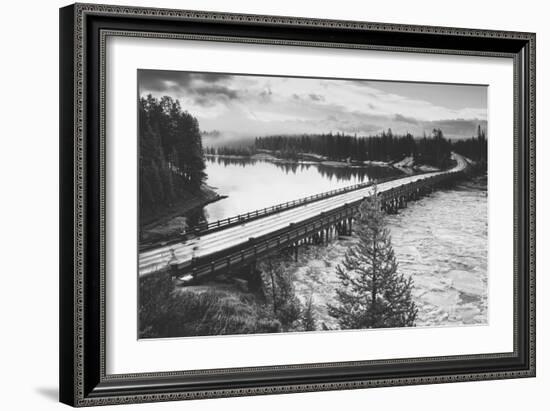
(440, 240)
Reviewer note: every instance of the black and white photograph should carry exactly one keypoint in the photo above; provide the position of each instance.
(272, 204)
(283, 200)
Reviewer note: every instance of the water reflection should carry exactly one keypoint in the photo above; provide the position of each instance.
(359, 174)
(227, 161)
(252, 184)
(341, 171)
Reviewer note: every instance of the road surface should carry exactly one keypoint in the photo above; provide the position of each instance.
(160, 258)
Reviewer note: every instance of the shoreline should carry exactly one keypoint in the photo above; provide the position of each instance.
(169, 222)
(306, 159)
(405, 165)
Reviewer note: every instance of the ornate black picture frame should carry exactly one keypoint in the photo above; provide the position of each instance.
(83, 32)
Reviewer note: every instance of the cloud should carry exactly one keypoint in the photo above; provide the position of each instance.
(171, 82)
(403, 119)
(216, 91)
(266, 94)
(316, 97)
(164, 81)
(456, 128)
(205, 90)
(211, 77)
(238, 105)
(359, 127)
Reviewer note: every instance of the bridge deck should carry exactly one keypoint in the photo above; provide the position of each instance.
(182, 253)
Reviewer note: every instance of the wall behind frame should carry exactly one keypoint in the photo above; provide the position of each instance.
(29, 210)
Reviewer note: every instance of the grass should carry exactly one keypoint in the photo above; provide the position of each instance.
(163, 312)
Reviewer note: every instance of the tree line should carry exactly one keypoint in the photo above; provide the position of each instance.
(383, 147)
(433, 150)
(241, 151)
(474, 148)
(170, 152)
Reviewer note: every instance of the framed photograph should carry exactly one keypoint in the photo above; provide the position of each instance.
(261, 204)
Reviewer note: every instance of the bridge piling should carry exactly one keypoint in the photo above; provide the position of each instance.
(330, 223)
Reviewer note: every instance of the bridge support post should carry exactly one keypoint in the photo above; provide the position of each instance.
(392, 206)
(341, 227)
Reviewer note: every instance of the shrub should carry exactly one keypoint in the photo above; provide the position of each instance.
(166, 312)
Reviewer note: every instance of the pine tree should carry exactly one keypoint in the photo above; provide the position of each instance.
(278, 288)
(372, 294)
(308, 316)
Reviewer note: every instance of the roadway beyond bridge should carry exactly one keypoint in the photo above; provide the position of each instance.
(242, 243)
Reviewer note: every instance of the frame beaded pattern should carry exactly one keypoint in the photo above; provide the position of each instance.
(81, 10)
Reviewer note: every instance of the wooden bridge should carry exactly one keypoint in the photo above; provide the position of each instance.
(242, 241)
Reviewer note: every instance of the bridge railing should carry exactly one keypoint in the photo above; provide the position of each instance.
(205, 228)
(259, 246)
(251, 215)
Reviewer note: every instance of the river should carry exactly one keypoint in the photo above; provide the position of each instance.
(439, 240)
(255, 184)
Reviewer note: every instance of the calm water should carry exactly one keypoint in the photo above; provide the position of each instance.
(254, 184)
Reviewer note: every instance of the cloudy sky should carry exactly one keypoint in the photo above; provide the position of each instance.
(241, 106)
